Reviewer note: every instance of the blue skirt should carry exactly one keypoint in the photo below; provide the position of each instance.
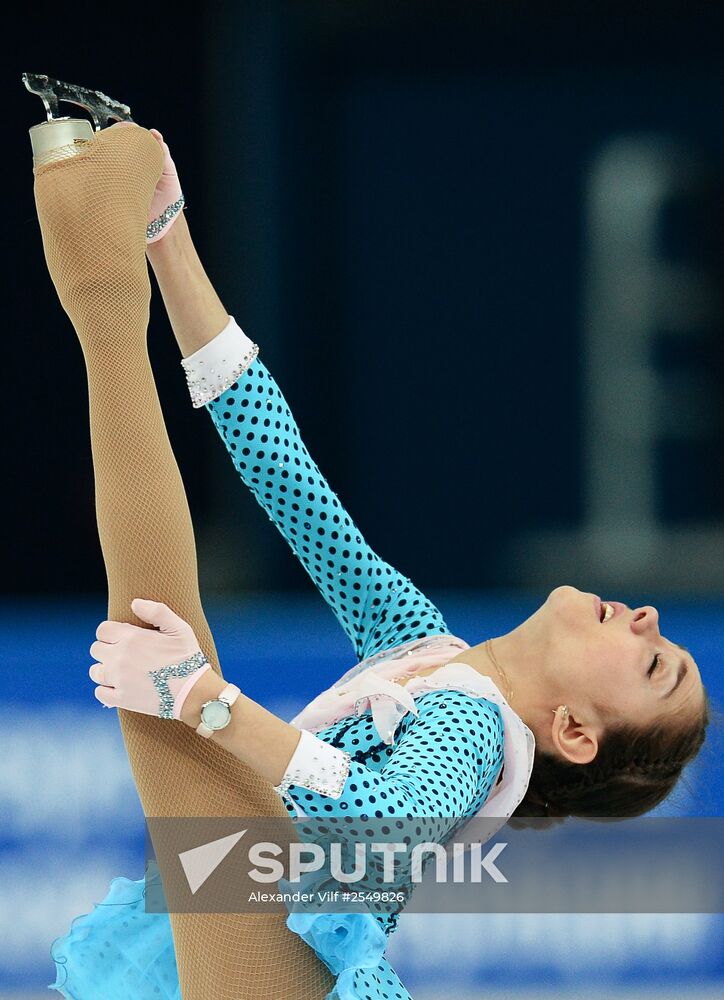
(119, 951)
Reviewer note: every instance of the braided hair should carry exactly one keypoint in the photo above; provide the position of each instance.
(633, 771)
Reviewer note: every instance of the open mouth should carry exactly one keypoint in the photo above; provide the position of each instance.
(605, 610)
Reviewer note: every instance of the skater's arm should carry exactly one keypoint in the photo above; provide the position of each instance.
(376, 605)
(254, 734)
(194, 309)
(161, 671)
(422, 776)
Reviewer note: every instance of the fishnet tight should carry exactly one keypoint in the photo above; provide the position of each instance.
(92, 208)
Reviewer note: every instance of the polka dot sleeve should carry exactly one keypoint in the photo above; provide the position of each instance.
(442, 765)
(374, 603)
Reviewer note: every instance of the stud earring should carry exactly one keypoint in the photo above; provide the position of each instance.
(564, 711)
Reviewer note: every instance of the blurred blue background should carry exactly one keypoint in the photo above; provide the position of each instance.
(482, 240)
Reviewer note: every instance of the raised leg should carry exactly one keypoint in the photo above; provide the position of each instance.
(92, 209)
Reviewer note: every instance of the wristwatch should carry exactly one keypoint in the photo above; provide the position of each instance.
(216, 714)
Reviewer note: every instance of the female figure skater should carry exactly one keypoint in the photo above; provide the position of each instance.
(584, 709)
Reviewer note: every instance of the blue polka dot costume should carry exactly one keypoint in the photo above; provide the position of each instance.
(443, 762)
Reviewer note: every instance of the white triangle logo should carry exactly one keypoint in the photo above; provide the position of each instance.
(200, 862)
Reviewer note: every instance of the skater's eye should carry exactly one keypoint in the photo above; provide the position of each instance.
(654, 665)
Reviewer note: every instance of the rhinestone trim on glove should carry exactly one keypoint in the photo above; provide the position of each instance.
(155, 227)
(203, 389)
(160, 680)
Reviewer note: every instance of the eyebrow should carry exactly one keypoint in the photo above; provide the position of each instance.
(683, 668)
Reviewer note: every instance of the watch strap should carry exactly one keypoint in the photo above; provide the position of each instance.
(230, 693)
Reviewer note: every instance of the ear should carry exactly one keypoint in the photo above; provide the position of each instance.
(574, 740)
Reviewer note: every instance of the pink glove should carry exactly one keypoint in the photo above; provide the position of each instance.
(145, 670)
(167, 201)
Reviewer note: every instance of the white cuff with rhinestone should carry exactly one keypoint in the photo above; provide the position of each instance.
(316, 765)
(218, 364)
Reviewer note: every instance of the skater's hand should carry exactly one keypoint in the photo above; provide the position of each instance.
(166, 196)
(129, 656)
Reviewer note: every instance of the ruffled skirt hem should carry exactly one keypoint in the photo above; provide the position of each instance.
(118, 944)
(118, 950)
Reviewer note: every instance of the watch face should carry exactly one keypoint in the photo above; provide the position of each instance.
(215, 715)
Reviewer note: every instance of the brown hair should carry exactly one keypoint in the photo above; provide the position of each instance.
(633, 771)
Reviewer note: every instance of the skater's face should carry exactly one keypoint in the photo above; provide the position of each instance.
(615, 662)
